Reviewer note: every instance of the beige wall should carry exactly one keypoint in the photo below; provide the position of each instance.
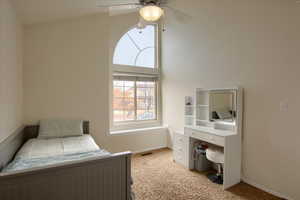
(10, 70)
(66, 75)
(254, 44)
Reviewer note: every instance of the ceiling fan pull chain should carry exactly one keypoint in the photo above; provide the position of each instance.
(163, 23)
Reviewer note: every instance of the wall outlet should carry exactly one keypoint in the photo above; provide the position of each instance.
(284, 106)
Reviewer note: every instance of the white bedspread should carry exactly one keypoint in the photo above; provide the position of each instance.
(39, 148)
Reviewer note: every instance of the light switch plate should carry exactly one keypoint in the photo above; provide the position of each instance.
(284, 106)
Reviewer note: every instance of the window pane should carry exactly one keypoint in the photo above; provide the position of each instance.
(146, 114)
(136, 48)
(146, 58)
(125, 52)
(128, 115)
(124, 108)
(145, 84)
(143, 37)
(123, 100)
(124, 91)
(146, 100)
(123, 103)
(120, 116)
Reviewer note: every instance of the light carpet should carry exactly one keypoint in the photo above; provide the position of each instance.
(157, 177)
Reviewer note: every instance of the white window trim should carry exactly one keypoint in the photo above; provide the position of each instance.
(139, 130)
(125, 126)
(132, 69)
(135, 124)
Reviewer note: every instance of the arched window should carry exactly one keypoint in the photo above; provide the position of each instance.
(135, 83)
(137, 48)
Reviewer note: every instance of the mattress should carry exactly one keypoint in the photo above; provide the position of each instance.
(39, 153)
(39, 148)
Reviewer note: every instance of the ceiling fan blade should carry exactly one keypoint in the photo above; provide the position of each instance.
(164, 2)
(124, 9)
(179, 15)
(109, 3)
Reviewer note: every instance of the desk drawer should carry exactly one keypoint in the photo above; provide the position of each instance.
(210, 138)
(179, 156)
(179, 149)
(179, 139)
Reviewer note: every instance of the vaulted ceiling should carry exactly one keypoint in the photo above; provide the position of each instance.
(36, 11)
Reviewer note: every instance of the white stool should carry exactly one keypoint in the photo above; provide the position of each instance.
(216, 155)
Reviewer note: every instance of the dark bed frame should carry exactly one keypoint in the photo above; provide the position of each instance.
(107, 178)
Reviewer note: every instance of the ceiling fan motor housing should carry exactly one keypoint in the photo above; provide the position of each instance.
(150, 2)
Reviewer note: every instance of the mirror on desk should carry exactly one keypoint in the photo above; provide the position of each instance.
(223, 105)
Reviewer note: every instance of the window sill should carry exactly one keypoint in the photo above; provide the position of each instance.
(136, 131)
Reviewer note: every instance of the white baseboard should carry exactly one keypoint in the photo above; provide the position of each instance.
(264, 188)
(150, 149)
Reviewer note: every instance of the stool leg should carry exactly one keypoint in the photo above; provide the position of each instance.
(219, 170)
(217, 178)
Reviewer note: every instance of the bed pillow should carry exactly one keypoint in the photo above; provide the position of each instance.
(60, 128)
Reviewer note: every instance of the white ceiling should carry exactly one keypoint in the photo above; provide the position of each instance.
(36, 11)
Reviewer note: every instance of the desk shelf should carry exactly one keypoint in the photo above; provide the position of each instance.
(189, 111)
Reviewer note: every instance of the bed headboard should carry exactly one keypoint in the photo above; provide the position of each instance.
(10, 146)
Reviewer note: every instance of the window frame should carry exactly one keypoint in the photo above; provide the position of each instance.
(136, 104)
(145, 70)
(138, 71)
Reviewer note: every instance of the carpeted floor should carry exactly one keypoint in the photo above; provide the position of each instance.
(157, 177)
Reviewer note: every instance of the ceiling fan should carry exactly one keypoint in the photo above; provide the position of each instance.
(149, 10)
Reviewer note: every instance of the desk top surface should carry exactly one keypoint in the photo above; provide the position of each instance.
(211, 130)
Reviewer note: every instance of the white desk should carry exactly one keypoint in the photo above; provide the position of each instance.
(183, 148)
(202, 124)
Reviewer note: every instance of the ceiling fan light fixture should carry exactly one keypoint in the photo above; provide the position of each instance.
(151, 13)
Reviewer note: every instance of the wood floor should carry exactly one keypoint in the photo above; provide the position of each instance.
(157, 177)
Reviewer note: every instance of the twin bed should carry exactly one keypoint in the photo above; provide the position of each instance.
(50, 166)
